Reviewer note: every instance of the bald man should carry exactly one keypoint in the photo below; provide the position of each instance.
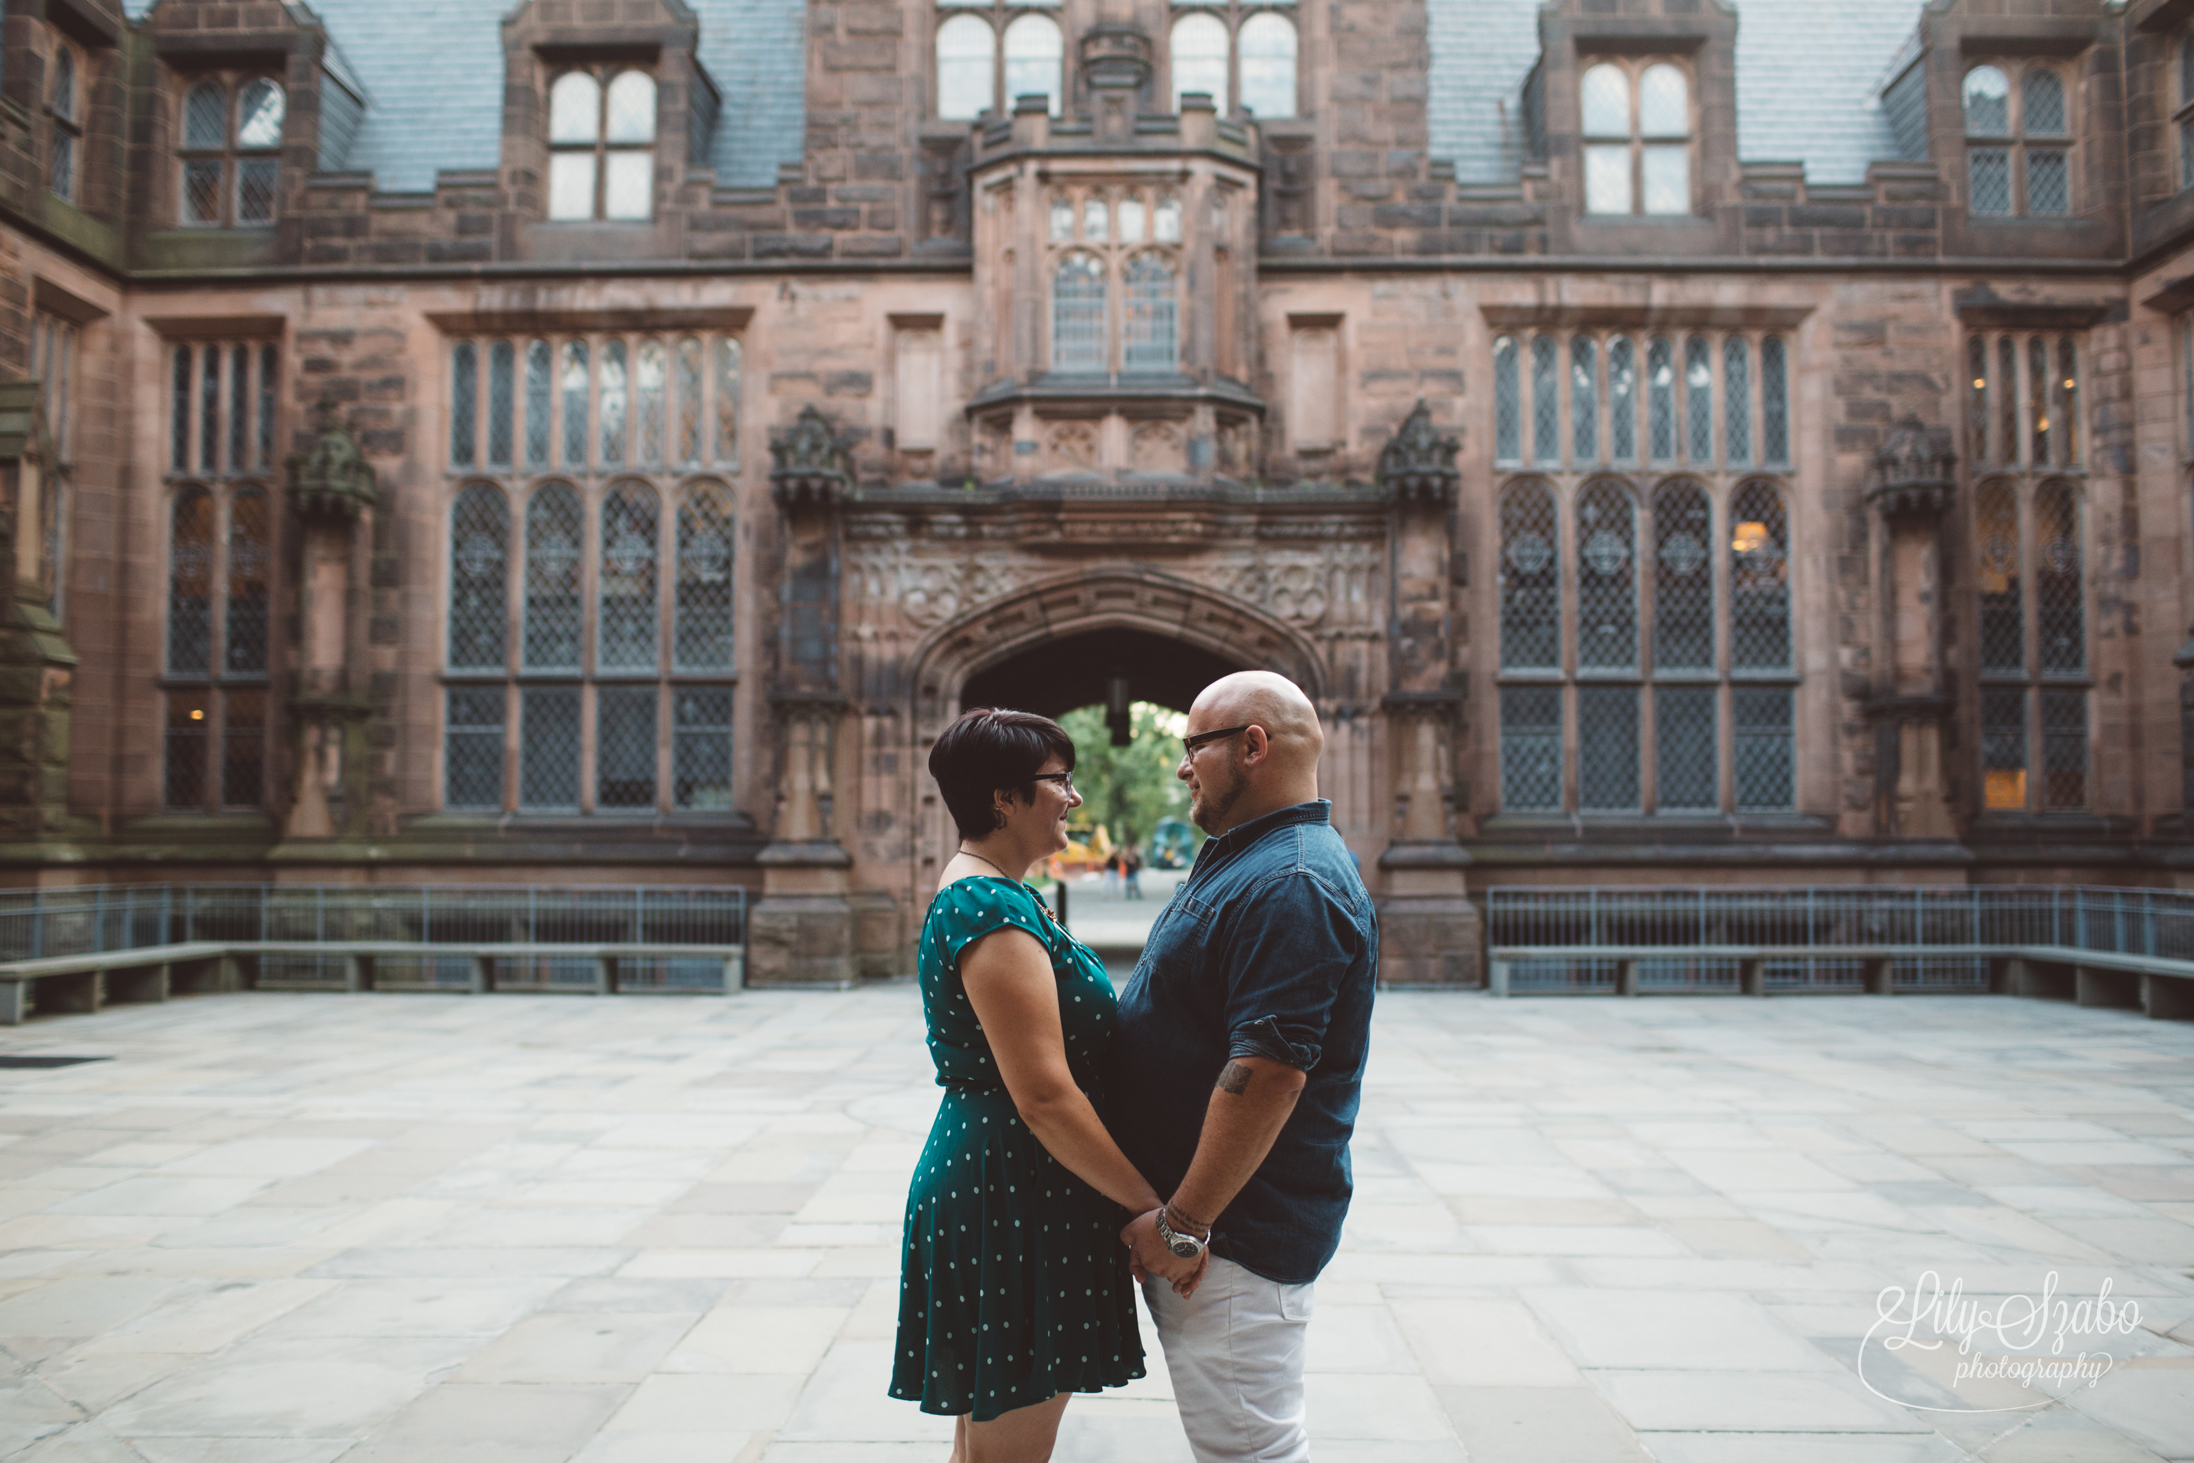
(1237, 1068)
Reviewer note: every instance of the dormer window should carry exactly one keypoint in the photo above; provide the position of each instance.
(66, 110)
(2018, 152)
(231, 153)
(602, 147)
(969, 74)
(1637, 137)
(1235, 54)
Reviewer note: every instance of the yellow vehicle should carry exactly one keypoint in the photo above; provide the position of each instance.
(1087, 850)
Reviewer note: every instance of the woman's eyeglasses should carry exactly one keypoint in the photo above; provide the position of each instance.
(1190, 745)
(1064, 779)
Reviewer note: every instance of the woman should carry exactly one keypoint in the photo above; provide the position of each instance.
(1014, 1292)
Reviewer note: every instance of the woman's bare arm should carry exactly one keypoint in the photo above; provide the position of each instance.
(1016, 998)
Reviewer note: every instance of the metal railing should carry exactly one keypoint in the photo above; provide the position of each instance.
(102, 919)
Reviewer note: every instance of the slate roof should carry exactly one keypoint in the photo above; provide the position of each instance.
(1809, 74)
(433, 74)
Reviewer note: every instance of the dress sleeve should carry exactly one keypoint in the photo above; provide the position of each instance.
(978, 907)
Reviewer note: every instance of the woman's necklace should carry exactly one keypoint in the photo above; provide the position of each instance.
(971, 853)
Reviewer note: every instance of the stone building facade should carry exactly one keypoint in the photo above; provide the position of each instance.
(1669, 440)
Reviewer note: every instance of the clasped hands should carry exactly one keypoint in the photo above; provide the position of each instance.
(1148, 1255)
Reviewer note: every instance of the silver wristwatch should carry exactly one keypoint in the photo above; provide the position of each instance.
(1187, 1246)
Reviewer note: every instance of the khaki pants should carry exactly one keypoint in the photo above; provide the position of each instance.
(1235, 1353)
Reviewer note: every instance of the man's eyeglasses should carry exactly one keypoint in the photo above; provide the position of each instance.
(1190, 745)
(1064, 779)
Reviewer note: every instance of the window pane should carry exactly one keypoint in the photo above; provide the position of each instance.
(190, 583)
(1607, 581)
(2059, 602)
(2007, 391)
(63, 97)
(206, 116)
(575, 403)
(1151, 306)
(479, 609)
(183, 750)
(1664, 102)
(1607, 177)
(61, 176)
(571, 186)
(1132, 220)
(1667, 178)
(1166, 222)
(552, 579)
(2037, 385)
(1199, 56)
(2003, 750)
(628, 619)
(2048, 182)
(1546, 401)
(1774, 403)
(202, 191)
(1759, 580)
(624, 748)
(1607, 748)
(1976, 413)
(1661, 399)
(209, 410)
(2068, 404)
(1267, 43)
(1622, 400)
(2064, 750)
(244, 621)
(502, 401)
(2186, 149)
(1604, 94)
(1736, 402)
(1987, 102)
(268, 358)
(473, 748)
(689, 402)
(632, 107)
(464, 386)
(700, 752)
(179, 412)
(1765, 747)
(1095, 218)
(648, 387)
(256, 181)
(1699, 401)
(240, 398)
(727, 401)
(1531, 749)
(1078, 315)
(701, 633)
(1686, 758)
(1531, 595)
(631, 192)
(1508, 407)
(540, 393)
(244, 749)
(2003, 609)
(1991, 180)
(964, 68)
(1062, 217)
(611, 403)
(259, 110)
(2042, 114)
(575, 108)
(1683, 580)
(1033, 55)
(548, 749)
(1584, 400)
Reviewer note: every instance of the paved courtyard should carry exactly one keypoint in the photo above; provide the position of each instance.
(512, 1229)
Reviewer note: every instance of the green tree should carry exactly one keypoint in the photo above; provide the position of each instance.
(1128, 789)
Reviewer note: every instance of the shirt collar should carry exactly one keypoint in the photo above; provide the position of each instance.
(1234, 840)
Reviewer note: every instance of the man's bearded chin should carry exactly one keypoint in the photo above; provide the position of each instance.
(1211, 805)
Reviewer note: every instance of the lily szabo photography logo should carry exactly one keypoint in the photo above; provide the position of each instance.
(1939, 1349)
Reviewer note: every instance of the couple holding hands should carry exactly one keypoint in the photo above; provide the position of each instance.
(1191, 1134)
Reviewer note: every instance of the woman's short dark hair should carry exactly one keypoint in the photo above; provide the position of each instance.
(986, 751)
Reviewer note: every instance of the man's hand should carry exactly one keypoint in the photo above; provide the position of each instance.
(1147, 1255)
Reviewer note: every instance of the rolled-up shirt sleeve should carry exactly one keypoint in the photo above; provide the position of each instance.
(1286, 959)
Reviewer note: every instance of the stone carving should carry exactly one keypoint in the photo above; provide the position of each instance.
(330, 480)
(811, 466)
(1914, 466)
(1074, 447)
(1417, 464)
(1156, 447)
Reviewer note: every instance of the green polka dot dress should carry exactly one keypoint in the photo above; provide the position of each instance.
(1013, 1283)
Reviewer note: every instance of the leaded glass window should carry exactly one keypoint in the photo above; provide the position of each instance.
(540, 398)
(1584, 400)
(689, 403)
(2017, 158)
(727, 401)
(2060, 603)
(548, 749)
(1078, 314)
(190, 583)
(179, 410)
(1976, 410)
(703, 613)
(243, 749)
(1683, 579)
(1530, 580)
(1774, 402)
(183, 750)
(1699, 400)
(2002, 608)
(2038, 396)
(1607, 585)
(249, 560)
(2064, 749)
(624, 748)
(479, 579)
(2003, 750)
(2066, 387)
(1759, 579)
(241, 441)
(1607, 748)
(575, 403)
(628, 616)
(209, 411)
(230, 158)
(700, 748)
(1622, 400)
(1661, 399)
(473, 747)
(67, 123)
(648, 387)
(611, 403)
(1508, 404)
(2007, 406)
(1151, 310)
(2019, 772)
(1531, 749)
(502, 402)
(464, 388)
(1736, 402)
(553, 555)
(1764, 748)
(1686, 771)
(1546, 401)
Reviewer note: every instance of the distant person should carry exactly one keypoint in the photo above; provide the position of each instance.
(1112, 876)
(1131, 873)
(1014, 1290)
(1237, 1072)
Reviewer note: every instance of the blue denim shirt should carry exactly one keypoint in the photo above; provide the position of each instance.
(1268, 949)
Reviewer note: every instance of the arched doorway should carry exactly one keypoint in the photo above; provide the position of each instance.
(1053, 677)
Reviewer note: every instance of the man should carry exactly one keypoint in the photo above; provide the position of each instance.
(1237, 1069)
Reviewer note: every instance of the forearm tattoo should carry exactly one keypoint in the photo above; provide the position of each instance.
(1234, 1079)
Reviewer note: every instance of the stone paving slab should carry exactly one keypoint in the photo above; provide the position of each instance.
(296, 1228)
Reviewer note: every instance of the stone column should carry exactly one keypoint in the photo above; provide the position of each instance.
(37, 667)
(1912, 697)
(1429, 932)
(331, 488)
(803, 930)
